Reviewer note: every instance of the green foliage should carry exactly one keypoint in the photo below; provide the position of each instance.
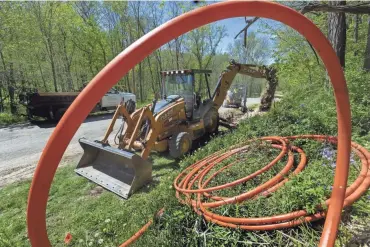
(63, 45)
(308, 189)
(304, 81)
(7, 118)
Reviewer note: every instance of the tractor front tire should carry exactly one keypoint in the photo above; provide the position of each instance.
(180, 144)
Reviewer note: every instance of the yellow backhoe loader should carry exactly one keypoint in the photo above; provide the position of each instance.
(170, 123)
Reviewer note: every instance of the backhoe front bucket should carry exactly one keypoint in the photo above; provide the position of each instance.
(119, 171)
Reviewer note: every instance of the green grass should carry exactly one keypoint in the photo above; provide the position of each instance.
(91, 218)
(8, 118)
(73, 208)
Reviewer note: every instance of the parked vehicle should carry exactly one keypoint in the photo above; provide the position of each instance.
(236, 97)
(53, 105)
(233, 98)
(113, 98)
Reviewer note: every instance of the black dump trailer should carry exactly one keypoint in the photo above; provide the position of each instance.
(48, 105)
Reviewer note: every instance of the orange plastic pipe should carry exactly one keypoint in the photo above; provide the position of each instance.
(196, 172)
(119, 66)
(187, 178)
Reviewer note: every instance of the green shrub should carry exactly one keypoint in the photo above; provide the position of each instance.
(7, 118)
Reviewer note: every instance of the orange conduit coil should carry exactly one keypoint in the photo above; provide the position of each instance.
(139, 50)
(190, 184)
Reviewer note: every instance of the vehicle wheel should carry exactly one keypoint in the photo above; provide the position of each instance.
(97, 107)
(180, 144)
(59, 114)
(51, 115)
(211, 121)
(29, 114)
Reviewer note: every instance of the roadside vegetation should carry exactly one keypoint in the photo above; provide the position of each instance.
(8, 118)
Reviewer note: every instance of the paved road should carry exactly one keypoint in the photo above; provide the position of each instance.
(253, 101)
(22, 145)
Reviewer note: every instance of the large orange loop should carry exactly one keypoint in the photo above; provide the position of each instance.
(118, 67)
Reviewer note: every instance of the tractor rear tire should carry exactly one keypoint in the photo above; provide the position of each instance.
(180, 144)
(211, 121)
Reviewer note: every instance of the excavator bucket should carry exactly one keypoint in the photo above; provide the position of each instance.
(119, 171)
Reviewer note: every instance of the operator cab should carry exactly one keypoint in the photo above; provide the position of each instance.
(183, 83)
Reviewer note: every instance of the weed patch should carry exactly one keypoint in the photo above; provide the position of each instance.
(7, 118)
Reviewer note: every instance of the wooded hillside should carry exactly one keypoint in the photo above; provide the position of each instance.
(59, 46)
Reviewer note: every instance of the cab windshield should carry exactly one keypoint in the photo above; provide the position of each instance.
(178, 84)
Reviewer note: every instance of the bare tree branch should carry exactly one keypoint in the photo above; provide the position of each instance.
(249, 23)
(360, 8)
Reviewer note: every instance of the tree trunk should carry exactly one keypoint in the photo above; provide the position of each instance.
(42, 75)
(133, 81)
(141, 82)
(23, 78)
(13, 108)
(170, 51)
(359, 8)
(178, 51)
(52, 63)
(5, 80)
(159, 78)
(1, 101)
(151, 75)
(337, 31)
(200, 64)
(159, 68)
(67, 61)
(357, 24)
(69, 79)
(268, 96)
(48, 38)
(127, 81)
(46, 32)
(104, 53)
(367, 50)
(138, 30)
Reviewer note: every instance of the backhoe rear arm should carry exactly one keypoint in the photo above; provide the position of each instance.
(226, 78)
